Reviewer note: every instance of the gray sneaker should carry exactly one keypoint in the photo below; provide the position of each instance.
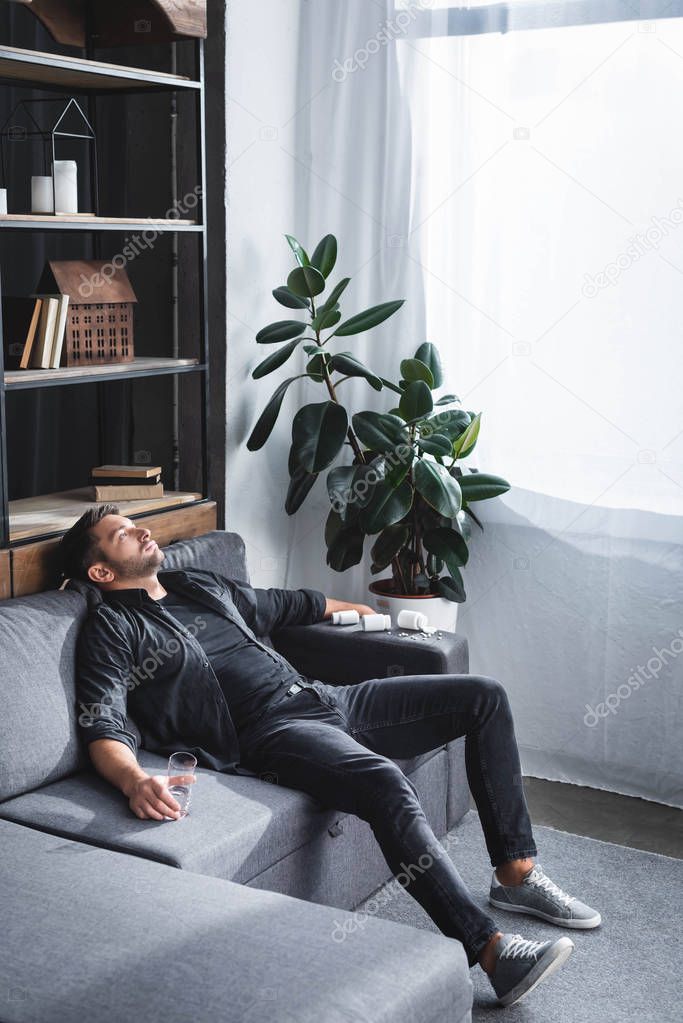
(522, 964)
(538, 896)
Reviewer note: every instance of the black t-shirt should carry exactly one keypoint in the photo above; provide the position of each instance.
(247, 673)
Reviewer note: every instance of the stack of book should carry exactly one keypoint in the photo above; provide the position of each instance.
(126, 482)
(33, 331)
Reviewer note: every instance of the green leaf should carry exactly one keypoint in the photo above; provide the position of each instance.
(315, 368)
(452, 588)
(429, 354)
(286, 297)
(452, 422)
(416, 400)
(480, 486)
(346, 549)
(298, 250)
(311, 349)
(414, 369)
(292, 462)
(447, 544)
(447, 399)
(397, 464)
(369, 318)
(333, 525)
(470, 515)
(467, 440)
(388, 544)
(306, 281)
(437, 487)
(379, 430)
(365, 479)
(318, 432)
(435, 444)
(275, 360)
(344, 362)
(266, 421)
(281, 330)
(335, 294)
(340, 491)
(325, 255)
(386, 506)
(299, 486)
(326, 318)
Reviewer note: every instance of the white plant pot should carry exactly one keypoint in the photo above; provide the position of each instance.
(440, 612)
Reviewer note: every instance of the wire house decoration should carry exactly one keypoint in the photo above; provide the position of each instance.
(49, 123)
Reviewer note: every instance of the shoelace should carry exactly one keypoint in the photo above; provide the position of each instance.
(519, 947)
(540, 880)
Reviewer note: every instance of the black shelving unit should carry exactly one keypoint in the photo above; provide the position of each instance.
(90, 77)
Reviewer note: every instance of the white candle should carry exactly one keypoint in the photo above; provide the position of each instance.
(41, 195)
(66, 186)
(3, 201)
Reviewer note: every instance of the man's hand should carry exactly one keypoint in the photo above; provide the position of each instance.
(341, 605)
(149, 797)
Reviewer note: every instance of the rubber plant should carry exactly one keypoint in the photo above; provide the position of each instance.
(400, 481)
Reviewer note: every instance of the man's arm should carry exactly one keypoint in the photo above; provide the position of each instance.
(341, 605)
(105, 664)
(266, 610)
(147, 795)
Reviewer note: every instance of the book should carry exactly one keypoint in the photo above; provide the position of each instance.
(140, 471)
(18, 315)
(127, 493)
(42, 348)
(125, 481)
(31, 336)
(60, 331)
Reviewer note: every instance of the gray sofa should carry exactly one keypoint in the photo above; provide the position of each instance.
(95, 908)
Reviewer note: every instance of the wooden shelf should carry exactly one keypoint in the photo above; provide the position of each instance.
(55, 513)
(17, 379)
(51, 70)
(86, 222)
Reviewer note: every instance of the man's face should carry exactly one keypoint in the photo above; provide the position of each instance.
(128, 551)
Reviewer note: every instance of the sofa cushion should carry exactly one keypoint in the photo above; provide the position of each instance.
(238, 826)
(91, 933)
(38, 733)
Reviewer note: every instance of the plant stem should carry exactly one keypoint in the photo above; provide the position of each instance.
(353, 441)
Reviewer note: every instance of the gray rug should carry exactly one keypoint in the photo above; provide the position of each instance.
(628, 969)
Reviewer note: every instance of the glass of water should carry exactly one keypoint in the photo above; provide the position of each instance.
(181, 766)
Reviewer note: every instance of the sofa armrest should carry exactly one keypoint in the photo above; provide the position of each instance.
(346, 654)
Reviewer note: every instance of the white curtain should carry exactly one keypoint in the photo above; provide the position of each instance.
(523, 192)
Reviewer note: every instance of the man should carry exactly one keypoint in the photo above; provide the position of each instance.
(179, 651)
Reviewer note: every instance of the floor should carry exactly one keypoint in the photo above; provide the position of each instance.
(607, 816)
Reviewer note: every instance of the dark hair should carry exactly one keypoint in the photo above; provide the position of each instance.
(78, 548)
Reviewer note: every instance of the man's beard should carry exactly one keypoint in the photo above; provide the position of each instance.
(138, 567)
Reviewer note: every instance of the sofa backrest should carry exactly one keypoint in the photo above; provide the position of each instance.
(39, 739)
(217, 551)
(38, 731)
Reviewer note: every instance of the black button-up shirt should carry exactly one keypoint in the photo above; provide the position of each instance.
(135, 658)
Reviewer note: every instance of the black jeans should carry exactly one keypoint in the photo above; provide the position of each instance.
(335, 743)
